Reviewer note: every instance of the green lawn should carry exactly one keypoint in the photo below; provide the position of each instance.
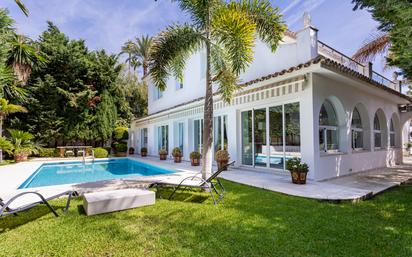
(248, 222)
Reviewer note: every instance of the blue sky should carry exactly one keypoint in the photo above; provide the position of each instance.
(108, 23)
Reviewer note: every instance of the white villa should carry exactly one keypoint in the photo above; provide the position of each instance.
(306, 99)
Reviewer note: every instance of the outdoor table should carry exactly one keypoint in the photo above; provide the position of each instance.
(74, 147)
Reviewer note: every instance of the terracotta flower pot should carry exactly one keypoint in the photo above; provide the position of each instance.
(298, 177)
(221, 164)
(195, 161)
(143, 154)
(20, 157)
(163, 157)
(177, 159)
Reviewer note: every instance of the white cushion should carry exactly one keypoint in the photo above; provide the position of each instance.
(116, 200)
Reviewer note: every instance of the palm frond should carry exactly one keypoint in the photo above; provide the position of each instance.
(198, 10)
(375, 45)
(170, 51)
(22, 7)
(268, 20)
(235, 33)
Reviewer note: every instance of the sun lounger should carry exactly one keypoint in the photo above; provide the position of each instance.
(212, 184)
(27, 200)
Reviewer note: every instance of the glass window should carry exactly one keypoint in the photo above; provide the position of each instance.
(157, 93)
(377, 132)
(163, 137)
(247, 138)
(180, 136)
(392, 134)
(143, 137)
(198, 135)
(260, 137)
(179, 84)
(357, 130)
(276, 137)
(220, 132)
(328, 128)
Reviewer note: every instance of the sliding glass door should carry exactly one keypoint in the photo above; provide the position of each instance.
(220, 132)
(260, 148)
(163, 137)
(271, 135)
(198, 135)
(247, 137)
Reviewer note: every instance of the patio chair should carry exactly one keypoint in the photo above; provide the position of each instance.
(27, 200)
(212, 184)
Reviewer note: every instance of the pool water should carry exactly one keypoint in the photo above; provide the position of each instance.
(79, 172)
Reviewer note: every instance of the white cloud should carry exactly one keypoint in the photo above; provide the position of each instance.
(291, 5)
(306, 6)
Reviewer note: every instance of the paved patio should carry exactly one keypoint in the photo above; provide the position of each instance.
(354, 187)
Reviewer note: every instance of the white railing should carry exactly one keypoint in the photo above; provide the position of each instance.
(350, 63)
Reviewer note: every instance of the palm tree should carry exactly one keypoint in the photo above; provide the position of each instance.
(378, 44)
(226, 32)
(7, 108)
(142, 52)
(22, 57)
(128, 49)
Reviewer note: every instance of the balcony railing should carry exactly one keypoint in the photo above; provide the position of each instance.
(348, 62)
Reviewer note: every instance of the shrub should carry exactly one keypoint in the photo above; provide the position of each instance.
(100, 152)
(120, 147)
(49, 152)
(176, 152)
(121, 133)
(162, 151)
(295, 164)
(195, 155)
(108, 149)
(222, 155)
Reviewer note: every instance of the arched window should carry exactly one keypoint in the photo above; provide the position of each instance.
(392, 134)
(328, 128)
(377, 132)
(357, 130)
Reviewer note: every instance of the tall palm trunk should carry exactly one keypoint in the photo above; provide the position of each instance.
(1, 125)
(208, 114)
(145, 68)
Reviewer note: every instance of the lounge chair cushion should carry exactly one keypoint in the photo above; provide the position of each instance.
(116, 200)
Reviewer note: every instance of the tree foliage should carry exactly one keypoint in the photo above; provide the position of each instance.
(74, 95)
(395, 18)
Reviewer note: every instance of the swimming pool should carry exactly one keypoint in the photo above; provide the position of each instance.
(78, 172)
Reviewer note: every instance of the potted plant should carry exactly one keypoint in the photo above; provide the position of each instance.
(21, 145)
(163, 154)
(298, 170)
(121, 149)
(222, 158)
(408, 147)
(195, 158)
(131, 150)
(143, 151)
(177, 154)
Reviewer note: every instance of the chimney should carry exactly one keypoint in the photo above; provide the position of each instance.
(307, 40)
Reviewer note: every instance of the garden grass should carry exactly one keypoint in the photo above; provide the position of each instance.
(248, 222)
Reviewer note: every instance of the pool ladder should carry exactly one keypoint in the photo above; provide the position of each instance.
(84, 156)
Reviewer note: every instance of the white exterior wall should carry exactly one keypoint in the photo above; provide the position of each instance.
(290, 52)
(350, 161)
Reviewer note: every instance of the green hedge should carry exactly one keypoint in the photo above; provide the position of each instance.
(100, 153)
(49, 152)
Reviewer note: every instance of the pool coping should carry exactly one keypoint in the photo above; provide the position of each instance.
(12, 176)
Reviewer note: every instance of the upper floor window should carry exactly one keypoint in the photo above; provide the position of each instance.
(392, 134)
(157, 93)
(377, 132)
(328, 128)
(178, 84)
(357, 130)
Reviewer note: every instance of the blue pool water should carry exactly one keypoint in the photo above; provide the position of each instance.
(78, 172)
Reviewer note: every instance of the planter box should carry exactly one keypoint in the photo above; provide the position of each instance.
(163, 157)
(177, 159)
(220, 164)
(143, 154)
